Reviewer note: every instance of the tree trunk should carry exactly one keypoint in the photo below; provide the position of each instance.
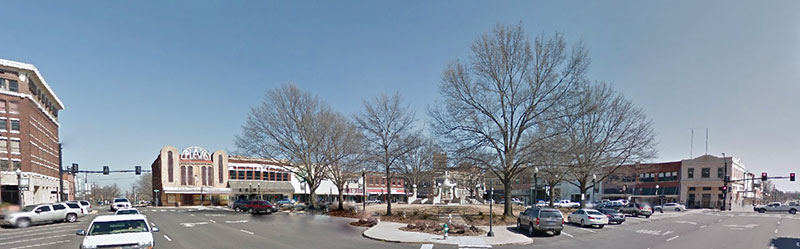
(507, 211)
(583, 193)
(552, 195)
(388, 193)
(341, 201)
(313, 195)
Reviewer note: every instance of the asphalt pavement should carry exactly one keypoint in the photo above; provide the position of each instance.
(219, 228)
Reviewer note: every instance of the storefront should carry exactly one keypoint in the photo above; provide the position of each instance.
(188, 177)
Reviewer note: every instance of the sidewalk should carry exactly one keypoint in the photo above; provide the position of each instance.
(390, 232)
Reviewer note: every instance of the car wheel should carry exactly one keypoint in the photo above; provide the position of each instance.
(519, 225)
(761, 211)
(677, 209)
(600, 226)
(251, 211)
(237, 209)
(556, 233)
(583, 224)
(71, 218)
(23, 223)
(647, 217)
(530, 229)
(792, 211)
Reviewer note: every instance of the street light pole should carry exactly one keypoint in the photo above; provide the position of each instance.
(19, 187)
(535, 193)
(491, 213)
(659, 198)
(724, 181)
(594, 187)
(364, 188)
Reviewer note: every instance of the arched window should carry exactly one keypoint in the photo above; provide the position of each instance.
(183, 175)
(211, 176)
(219, 166)
(190, 176)
(170, 166)
(203, 177)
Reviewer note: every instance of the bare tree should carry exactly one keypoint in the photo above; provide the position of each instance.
(472, 178)
(609, 132)
(106, 192)
(495, 103)
(286, 126)
(144, 187)
(416, 166)
(387, 125)
(341, 151)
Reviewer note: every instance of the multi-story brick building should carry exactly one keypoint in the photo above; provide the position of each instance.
(653, 183)
(376, 187)
(29, 138)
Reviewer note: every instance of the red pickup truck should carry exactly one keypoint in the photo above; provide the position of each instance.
(257, 207)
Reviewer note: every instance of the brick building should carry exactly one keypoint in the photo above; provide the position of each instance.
(645, 182)
(29, 137)
(187, 177)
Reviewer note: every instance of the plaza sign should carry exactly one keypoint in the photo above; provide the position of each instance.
(195, 153)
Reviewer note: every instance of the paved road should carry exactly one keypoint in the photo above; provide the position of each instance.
(214, 228)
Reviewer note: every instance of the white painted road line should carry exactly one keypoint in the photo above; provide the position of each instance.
(245, 231)
(584, 229)
(213, 221)
(167, 238)
(685, 222)
(672, 238)
(42, 244)
(236, 221)
(37, 233)
(151, 223)
(568, 235)
(26, 240)
(426, 246)
(703, 226)
(189, 214)
(776, 230)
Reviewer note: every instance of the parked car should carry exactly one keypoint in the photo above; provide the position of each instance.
(637, 209)
(239, 205)
(541, 220)
(543, 203)
(258, 206)
(120, 203)
(118, 231)
(286, 201)
(75, 208)
(790, 207)
(127, 211)
(670, 207)
(613, 215)
(517, 202)
(374, 201)
(567, 204)
(38, 214)
(86, 207)
(588, 217)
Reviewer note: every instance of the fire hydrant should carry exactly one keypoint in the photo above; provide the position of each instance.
(445, 228)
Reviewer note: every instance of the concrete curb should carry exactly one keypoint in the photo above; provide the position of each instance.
(365, 235)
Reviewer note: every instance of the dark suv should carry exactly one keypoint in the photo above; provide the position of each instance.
(256, 207)
(239, 205)
(541, 220)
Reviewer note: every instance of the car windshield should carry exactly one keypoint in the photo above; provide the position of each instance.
(593, 213)
(120, 200)
(550, 214)
(127, 211)
(117, 227)
(28, 208)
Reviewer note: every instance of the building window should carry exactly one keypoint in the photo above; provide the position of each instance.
(249, 175)
(2, 106)
(221, 169)
(692, 188)
(17, 164)
(15, 146)
(183, 175)
(4, 165)
(690, 174)
(705, 173)
(13, 107)
(170, 166)
(210, 176)
(13, 85)
(719, 172)
(203, 175)
(240, 173)
(15, 125)
(2, 83)
(285, 177)
(3, 145)
(232, 174)
(190, 176)
(706, 188)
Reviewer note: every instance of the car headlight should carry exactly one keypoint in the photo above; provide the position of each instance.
(88, 247)
(148, 245)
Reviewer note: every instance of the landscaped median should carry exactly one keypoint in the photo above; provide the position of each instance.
(391, 232)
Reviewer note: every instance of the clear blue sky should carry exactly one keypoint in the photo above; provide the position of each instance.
(136, 76)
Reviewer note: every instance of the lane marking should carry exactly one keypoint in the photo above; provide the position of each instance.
(152, 224)
(48, 237)
(213, 221)
(32, 234)
(568, 235)
(167, 238)
(191, 214)
(667, 232)
(672, 238)
(426, 246)
(193, 224)
(686, 222)
(245, 231)
(703, 226)
(584, 229)
(42, 244)
(776, 230)
(235, 221)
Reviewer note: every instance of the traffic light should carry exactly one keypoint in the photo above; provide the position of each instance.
(791, 176)
(105, 170)
(763, 176)
(138, 170)
(74, 168)
(723, 189)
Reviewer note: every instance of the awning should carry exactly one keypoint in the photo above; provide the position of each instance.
(265, 187)
(383, 191)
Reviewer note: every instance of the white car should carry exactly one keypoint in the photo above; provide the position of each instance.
(118, 231)
(37, 214)
(120, 203)
(76, 208)
(670, 207)
(128, 211)
(86, 207)
(567, 204)
(588, 217)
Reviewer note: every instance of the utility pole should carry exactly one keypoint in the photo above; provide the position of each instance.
(60, 174)
(724, 181)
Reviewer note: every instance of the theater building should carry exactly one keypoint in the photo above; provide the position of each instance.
(29, 137)
(190, 176)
